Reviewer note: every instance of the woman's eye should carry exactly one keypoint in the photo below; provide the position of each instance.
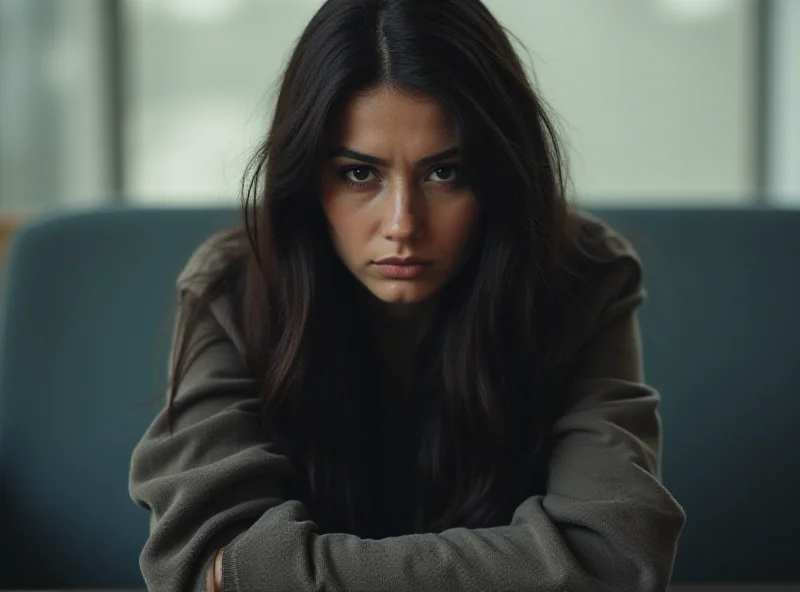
(358, 174)
(444, 174)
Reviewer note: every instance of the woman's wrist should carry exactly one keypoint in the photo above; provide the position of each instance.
(214, 574)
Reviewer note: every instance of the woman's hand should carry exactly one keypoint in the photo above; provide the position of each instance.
(214, 575)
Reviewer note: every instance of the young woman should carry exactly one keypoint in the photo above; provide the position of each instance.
(414, 367)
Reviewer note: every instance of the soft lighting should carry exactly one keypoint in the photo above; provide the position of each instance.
(202, 11)
(695, 10)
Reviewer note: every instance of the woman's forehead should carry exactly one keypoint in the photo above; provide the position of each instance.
(387, 117)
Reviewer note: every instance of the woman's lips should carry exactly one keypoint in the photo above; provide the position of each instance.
(401, 268)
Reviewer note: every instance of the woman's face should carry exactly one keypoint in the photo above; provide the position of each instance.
(400, 218)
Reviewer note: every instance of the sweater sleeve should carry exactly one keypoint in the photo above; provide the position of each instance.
(214, 474)
(605, 522)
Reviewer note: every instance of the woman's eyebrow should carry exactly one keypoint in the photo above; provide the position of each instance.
(434, 158)
(374, 160)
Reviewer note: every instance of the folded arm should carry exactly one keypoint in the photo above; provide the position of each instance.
(213, 475)
(605, 522)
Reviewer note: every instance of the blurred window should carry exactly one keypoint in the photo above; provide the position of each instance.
(660, 101)
(54, 118)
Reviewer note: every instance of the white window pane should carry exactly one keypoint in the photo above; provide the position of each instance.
(783, 167)
(656, 96)
(200, 76)
(54, 141)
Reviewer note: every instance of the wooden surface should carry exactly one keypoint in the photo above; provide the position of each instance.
(8, 225)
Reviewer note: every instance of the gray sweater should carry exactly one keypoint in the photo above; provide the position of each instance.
(605, 522)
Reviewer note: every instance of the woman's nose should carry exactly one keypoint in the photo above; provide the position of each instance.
(402, 222)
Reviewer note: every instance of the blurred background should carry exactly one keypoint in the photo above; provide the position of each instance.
(682, 125)
(161, 102)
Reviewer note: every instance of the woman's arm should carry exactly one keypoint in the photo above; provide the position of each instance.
(605, 523)
(214, 475)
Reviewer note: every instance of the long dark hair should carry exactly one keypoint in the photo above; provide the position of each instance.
(485, 366)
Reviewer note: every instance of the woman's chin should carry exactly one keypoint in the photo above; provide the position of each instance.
(402, 293)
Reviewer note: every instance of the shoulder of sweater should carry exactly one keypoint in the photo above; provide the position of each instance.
(211, 261)
(209, 280)
(606, 267)
(601, 244)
